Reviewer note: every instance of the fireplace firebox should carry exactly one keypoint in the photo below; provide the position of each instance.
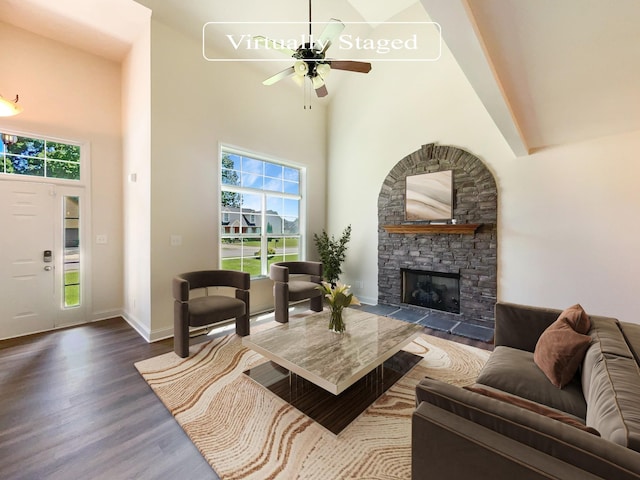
(436, 290)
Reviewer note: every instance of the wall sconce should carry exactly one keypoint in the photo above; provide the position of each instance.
(9, 108)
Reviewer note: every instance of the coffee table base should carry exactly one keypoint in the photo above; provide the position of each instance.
(334, 412)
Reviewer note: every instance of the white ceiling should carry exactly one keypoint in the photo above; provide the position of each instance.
(570, 69)
(549, 72)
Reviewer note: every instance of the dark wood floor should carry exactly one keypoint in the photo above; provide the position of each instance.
(73, 406)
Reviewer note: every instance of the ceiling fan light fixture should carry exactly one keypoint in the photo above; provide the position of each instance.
(9, 108)
(323, 69)
(317, 81)
(301, 68)
(310, 58)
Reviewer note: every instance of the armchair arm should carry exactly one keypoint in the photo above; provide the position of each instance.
(180, 289)
(278, 273)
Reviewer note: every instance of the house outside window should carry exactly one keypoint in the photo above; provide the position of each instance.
(260, 205)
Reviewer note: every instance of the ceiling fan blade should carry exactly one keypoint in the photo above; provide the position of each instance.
(328, 35)
(322, 91)
(272, 44)
(351, 66)
(279, 76)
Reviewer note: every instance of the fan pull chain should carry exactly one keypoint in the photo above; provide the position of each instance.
(306, 92)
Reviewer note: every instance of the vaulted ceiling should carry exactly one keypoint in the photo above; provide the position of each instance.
(549, 72)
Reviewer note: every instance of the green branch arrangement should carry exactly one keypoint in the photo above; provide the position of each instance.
(332, 253)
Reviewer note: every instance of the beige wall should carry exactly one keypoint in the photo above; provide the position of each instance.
(71, 95)
(569, 231)
(196, 106)
(566, 215)
(136, 180)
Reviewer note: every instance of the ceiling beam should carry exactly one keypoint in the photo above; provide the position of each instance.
(461, 36)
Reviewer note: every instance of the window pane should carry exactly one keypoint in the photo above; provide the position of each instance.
(231, 253)
(286, 249)
(62, 151)
(251, 202)
(56, 169)
(250, 219)
(251, 256)
(231, 161)
(292, 174)
(71, 262)
(293, 188)
(272, 170)
(291, 220)
(273, 184)
(230, 177)
(251, 165)
(26, 146)
(251, 180)
(275, 205)
(273, 223)
(25, 166)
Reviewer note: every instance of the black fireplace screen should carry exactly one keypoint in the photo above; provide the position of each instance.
(440, 291)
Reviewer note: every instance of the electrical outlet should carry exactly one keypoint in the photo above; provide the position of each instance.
(101, 239)
(176, 240)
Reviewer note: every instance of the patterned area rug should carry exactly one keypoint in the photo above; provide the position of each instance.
(246, 432)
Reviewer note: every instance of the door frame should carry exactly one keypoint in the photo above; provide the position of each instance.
(82, 188)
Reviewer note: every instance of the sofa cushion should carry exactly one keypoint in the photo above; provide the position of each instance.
(515, 372)
(560, 351)
(631, 332)
(606, 331)
(611, 386)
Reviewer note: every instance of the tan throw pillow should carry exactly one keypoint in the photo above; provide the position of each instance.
(560, 351)
(577, 318)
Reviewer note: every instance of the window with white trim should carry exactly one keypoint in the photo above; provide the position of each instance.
(38, 157)
(260, 213)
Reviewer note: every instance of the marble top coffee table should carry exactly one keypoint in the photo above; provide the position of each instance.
(330, 360)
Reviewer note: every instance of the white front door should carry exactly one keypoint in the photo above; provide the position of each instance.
(34, 263)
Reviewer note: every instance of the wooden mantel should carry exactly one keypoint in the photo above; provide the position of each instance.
(462, 228)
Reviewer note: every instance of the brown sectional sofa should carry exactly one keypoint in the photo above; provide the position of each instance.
(459, 433)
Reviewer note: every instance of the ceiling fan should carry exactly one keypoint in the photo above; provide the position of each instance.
(311, 61)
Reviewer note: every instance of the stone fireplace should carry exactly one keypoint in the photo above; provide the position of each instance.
(437, 254)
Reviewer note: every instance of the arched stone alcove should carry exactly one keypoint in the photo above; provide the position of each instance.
(472, 256)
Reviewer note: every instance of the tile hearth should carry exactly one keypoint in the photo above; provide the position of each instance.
(432, 319)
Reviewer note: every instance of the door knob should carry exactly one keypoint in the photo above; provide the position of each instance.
(48, 268)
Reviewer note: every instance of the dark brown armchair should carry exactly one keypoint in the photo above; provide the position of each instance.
(287, 290)
(189, 311)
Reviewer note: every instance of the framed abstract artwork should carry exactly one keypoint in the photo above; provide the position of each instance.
(429, 196)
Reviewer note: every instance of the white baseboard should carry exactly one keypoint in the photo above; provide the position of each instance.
(105, 314)
(368, 300)
(157, 335)
(138, 326)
